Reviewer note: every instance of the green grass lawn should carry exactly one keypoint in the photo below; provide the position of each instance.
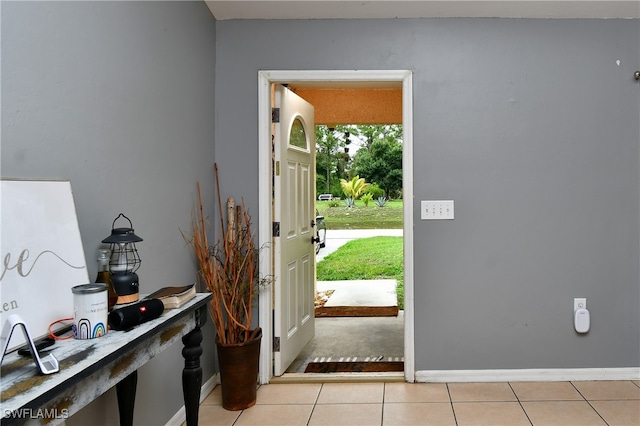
(366, 259)
(361, 217)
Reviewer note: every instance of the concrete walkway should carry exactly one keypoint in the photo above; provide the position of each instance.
(360, 293)
(342, 337)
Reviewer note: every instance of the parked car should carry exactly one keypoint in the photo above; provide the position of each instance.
(321, 233)
(325, 197)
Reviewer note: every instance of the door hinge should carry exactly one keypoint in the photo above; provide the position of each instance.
(276, 344)
(276, 229)
(275, 115)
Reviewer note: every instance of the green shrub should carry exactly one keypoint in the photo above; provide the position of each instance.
(375, 191)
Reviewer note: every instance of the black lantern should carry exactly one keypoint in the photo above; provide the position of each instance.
(124, 262)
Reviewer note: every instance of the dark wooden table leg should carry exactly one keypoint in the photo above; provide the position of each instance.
(192, 373)
(126, 391)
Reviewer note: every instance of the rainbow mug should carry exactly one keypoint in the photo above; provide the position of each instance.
(90, 310)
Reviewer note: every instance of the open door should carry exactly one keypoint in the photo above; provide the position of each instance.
(294, 215)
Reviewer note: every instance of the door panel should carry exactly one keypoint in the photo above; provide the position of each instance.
(294, 207)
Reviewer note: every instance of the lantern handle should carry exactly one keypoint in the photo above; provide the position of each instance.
(119, 216)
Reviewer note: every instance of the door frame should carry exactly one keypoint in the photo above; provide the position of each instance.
(265, 79)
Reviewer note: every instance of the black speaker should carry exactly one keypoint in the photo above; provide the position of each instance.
(138, 313)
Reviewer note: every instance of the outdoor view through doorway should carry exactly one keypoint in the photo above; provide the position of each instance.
(348, 80)
(359, 305)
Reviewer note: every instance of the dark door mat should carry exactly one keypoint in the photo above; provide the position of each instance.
(354, 367)
(357, 311)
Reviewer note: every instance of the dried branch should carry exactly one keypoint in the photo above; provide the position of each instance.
(229, 269)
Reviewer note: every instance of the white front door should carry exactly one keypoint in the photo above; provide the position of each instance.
(294, 210)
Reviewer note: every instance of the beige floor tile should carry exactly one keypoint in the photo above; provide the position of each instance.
(608, 390)
(346, 414)
(619, 413)
(558, 413)
(214, 398)
(351, 393)
(288, 415)
(481, 392)
(546, 391)
(545, 403)
(490, 414)
(418, 413)
(215, 415)
(416, 392)
(295, 393)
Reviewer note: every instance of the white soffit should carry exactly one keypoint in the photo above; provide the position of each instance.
(380, 9)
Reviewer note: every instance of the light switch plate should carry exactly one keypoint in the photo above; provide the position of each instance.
(436, 209)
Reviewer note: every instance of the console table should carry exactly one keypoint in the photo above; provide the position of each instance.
(88, 368)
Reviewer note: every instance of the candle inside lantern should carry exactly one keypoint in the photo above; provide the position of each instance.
(119, 261)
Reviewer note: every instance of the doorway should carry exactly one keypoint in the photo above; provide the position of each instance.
(265, 80)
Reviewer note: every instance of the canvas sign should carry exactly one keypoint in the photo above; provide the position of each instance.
(42, 253)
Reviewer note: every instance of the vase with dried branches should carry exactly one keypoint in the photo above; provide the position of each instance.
(230, 270)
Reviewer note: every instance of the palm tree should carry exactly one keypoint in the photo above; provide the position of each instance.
(353, 188)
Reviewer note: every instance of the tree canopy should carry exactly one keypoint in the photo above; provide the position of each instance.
(382, 162)
(377, 159)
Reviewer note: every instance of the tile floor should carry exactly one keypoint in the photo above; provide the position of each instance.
(514, 403)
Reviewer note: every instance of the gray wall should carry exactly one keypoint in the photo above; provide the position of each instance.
(118, 97)
(530, 125)
(532, 128)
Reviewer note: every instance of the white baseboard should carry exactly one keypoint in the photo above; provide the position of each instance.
(528, 375)
(179, 418)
